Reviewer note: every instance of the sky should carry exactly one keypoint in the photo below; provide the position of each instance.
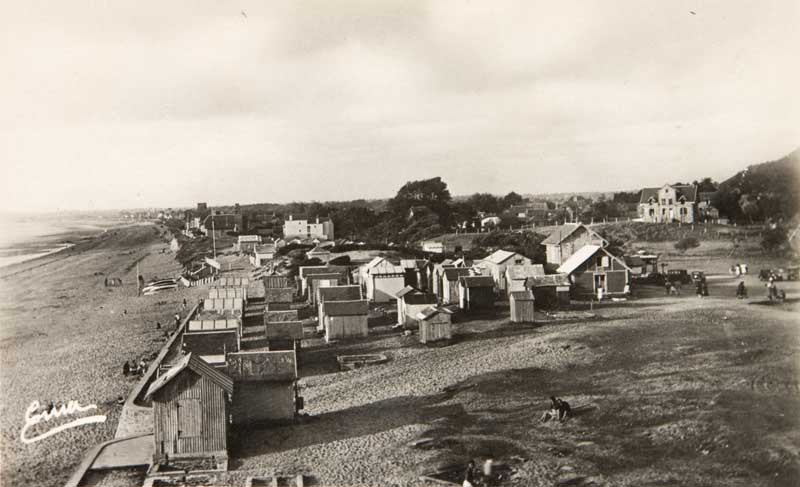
(128, 104)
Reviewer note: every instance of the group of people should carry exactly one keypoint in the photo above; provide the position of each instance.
(486, 477)
(132, 368)
(672, 288)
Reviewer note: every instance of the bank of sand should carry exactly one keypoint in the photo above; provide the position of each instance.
(64, 336)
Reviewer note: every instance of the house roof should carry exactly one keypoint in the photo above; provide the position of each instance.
(687, 191)
(453, 273)
(317, 250)
(374, 262)
(499, 256)
(340, 293)
(265, 249)
(524, 271)
(582, 255)
(564, 231)
(521, 295)
(477, 281)
(550, 280)
(413, 263)
(321, 276)
(306, 271)
(196, 364)
(346, 308)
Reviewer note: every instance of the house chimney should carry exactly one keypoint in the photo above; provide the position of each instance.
(317, 219)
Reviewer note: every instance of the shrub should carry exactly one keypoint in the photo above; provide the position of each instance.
(774, 240)
(687, 243)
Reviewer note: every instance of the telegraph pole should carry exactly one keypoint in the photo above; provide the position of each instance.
(213, 236)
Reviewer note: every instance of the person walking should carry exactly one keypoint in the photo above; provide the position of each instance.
(469, 475)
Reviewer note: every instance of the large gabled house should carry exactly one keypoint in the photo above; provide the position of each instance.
(593, 271)
(568, 239)
(669, 203)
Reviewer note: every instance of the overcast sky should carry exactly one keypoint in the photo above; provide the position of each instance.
(169, 103)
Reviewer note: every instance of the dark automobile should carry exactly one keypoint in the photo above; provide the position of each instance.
(678, 275)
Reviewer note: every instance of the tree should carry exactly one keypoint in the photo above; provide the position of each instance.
(484, 202)
(510, 200)
(432, 193)
(749, 207)
(774, 240)
(687, 243)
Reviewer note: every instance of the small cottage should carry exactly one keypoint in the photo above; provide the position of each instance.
(264, 386)
(191, 404)
(517, 275)
(568, 239)
(262, 255)
(410, 301)
(593, 271)
(247, 243)
(521, 303)
(335, 293)
(345, 319)
(284, 335)
(476, 293)
(434, 324)
(550, 291)
(497, 263)
(417, 273)
(318, 281)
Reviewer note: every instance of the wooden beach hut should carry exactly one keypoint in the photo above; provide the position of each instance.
(335, 293)
(410, 301)
(318, 281)
(211, 339)
(278, 295)
(550, 291)
(594, 271)
(449, 293)
(476, 293)
(435, 324)
(191, 403)
(345, 319)
(284, 335)
(521, 303)
(264, 385)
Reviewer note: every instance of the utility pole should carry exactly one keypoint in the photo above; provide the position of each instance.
(213, 236)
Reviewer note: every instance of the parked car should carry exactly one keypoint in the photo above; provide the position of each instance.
(775, 274)
(679, 275)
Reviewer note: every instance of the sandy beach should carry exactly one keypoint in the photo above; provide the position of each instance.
(64, 337)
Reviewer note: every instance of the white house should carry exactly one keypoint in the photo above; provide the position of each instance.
(320, 228)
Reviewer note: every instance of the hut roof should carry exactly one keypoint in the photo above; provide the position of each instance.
(564, 231)
(196, 364)
(521, 295)
(432, 311)
(340, 293)
(582, 255)
(477, 281)
(524, 271)
(499, 256)
(324, 276)
(420, 298)
(550, 280)
(454, 273)
(346, 308)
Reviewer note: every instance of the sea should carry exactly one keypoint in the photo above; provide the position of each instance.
(28, 236)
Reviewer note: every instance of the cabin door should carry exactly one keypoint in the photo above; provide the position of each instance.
(599, 282)
(190, 421)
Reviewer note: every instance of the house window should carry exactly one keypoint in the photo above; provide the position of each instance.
(670, 201)
(518, 261)
(663, 201)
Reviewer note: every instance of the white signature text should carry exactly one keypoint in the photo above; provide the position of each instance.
(32, 418)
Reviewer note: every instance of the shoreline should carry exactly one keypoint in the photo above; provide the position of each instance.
(51, 301)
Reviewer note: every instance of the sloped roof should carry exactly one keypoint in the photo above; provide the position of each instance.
(550, 280)
(687, 191)
(406, 290)
(321, 276)
(318, 250)
(196, 364)
(575, 260)
(413, 263)
(499, 256)
(432, 311)
(345, 308)
(564, 231)
(521, 295)
(265, 249)
(306, 271)
(453, 273)
(477, 281)
(340, 293)
(524, 271)
(374, 262)
(582, 255)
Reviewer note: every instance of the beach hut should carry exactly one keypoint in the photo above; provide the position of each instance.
(264, 386)
(521, 303)
(410, 301)
(382, 280)
(449, 293)
(549, 291)
(278, 295)
(517, 275)
(284, 335)
(345, 319)
(476, 293)
(276, 282)
(211, 339)
(335, 293)
(191, 403)
(435, 324)
(317, 281)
